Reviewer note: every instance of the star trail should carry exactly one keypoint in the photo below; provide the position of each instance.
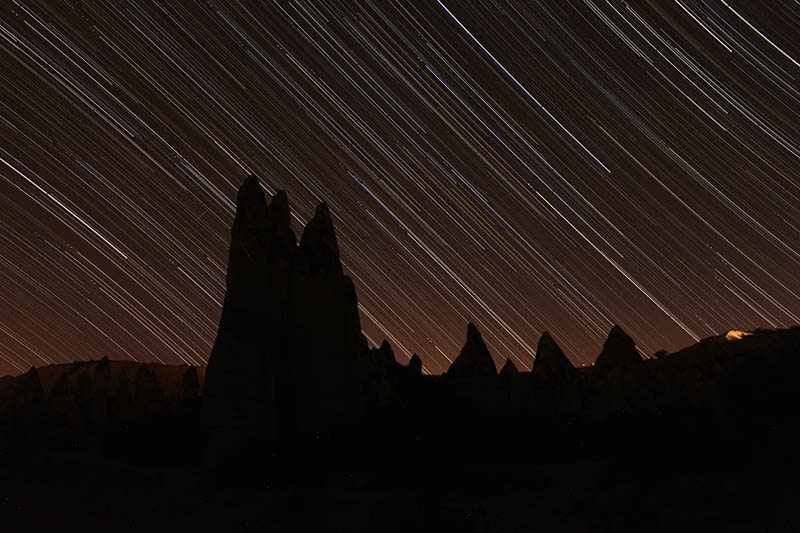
(527, 166)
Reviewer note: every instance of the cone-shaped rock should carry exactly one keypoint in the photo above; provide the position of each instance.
(280, 215)
(550, 362)
(384, 354)
(509, 369)
(283, 240)
(324, 332)
(240, 371)
(619, 351)
(415, 365)
(318, 250)
(251, 209)
(245, 282)
(474, 359)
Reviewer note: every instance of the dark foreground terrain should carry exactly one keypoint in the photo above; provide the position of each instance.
(73, 492)
(297, 424)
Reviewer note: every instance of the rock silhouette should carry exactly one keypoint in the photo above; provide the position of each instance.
(289, 336)
(474, 360)
(509, 369)
(290, 363)
(619, 351)
(551, 364)
(293, 395)
(290, 367)
(415, 365)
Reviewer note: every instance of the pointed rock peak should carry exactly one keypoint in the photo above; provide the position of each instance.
(509, 369)
(321, 229)
(249, 181)
(618, 332)
(279, 212)
(323, 215)
(474, 359)
(415, 365)
(318, 244)
(385, 353)
(551, 362)
(545, 341)
(618, 350)
(283, 240)
(251, 207)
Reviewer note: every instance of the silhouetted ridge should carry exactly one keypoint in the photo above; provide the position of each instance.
(29, 384)
(619, 351)
(474, 360)
(551, 363)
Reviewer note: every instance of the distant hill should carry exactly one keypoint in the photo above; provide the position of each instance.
(99, 392)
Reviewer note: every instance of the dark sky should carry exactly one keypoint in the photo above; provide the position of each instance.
(528, 166)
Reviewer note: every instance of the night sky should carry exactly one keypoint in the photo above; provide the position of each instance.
(528, 166)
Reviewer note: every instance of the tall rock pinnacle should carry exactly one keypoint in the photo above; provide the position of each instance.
(619, 351)
(245, 282)
(282, 362)
(319, 251)
(509, 369)
(282, 238)
(550, 362)
(415, 365)
(474, 359)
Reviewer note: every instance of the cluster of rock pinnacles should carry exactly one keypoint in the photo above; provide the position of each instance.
(290, 366)
(290, 357)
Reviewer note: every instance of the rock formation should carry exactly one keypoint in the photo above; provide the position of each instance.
(415, 365)
(551, 364)
(289, 335)
(474, 359)
(291, 373)
(509, 369)
(384, 354)
(619, 352)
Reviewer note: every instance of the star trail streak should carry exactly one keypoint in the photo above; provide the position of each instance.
(528, 166)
